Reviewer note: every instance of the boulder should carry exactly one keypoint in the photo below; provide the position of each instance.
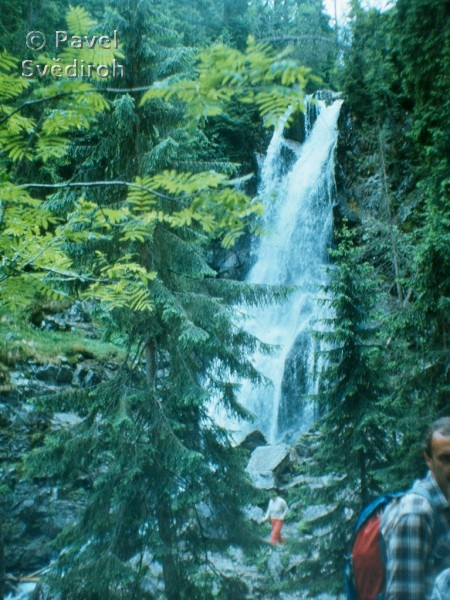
(55, 374)
(269, 464)
(253, 440)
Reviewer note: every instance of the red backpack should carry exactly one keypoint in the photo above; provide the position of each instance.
(365, 567)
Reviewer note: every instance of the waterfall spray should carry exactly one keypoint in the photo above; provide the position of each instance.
(298, 224)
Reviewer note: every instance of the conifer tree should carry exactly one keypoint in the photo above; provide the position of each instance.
(420, 329)
(400, 108)
(368, 76)
(300, 24)
(351, 440)
(159, 474)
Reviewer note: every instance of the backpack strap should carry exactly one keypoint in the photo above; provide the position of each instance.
(375, 506)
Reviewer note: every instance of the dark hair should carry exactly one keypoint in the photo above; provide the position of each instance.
(442, 425)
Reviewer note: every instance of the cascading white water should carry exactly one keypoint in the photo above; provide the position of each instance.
(24, 592)
(298, 222)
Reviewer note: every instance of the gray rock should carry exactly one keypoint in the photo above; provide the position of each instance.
(268, 464)
(275, 566)
(253, 440)
(55, 374)
(61, 420)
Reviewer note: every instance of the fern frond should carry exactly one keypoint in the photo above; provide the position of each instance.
(122, 294)
(11, 85)
(82, 94)
(62, 121)
(142, 198)
(259, 75)
(78, 20)
(7, 61)
(16, 146)
(51, 146)
(17, 293)
(15, 194)
(17, 123)
(89, 56)
(136, 232)
(187, 183)
(126, 268)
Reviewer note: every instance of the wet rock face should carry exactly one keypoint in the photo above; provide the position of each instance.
(54, 374)
(34, 378)
(37, 516)
(34, 512)
(293, 414)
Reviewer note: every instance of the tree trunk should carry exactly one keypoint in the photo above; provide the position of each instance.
(2, 561)
(172, 581)
(389, 217)
(150, 361)
(363, 477)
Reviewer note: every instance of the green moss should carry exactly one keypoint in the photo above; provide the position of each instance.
(21, 341)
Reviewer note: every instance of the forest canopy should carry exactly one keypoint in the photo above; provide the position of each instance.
(122, 184)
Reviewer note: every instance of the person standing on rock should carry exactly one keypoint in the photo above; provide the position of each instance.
(276, 511)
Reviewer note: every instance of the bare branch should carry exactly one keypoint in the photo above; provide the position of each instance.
(74, 184)
(63, 94)
(298, 38)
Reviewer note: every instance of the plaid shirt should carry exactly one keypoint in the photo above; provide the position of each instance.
(417, 538)
(441, 590)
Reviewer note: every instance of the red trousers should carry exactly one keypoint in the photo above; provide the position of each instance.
(277, 524)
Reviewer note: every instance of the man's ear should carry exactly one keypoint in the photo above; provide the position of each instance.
(428, 460)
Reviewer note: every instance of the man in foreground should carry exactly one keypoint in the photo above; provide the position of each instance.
(416, 528)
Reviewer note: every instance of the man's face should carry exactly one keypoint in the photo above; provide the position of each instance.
(439, 461)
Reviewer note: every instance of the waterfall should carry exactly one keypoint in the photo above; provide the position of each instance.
(23, 592)
(297, 187)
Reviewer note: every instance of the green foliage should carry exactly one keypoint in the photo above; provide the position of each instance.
(351, 447)
(138, 242)
(12, 85)
(23, 138)
(161, 180)
(260, 76)
(31, 258)
(395, 77)
(22, 341)
(302, 25)
(79, 21)
(368, 76)
(34, 261)
(203, 22)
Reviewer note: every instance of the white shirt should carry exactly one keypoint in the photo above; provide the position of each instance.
(277, 509)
